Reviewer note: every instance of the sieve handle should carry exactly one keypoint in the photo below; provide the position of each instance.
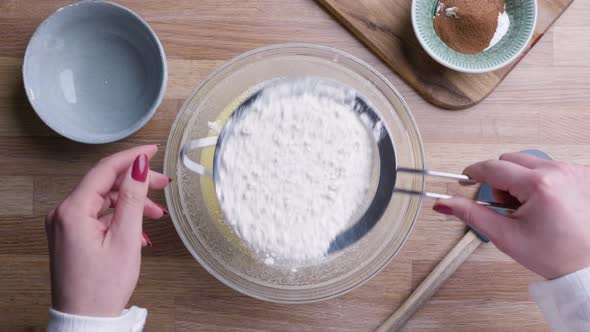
(437, 174)
(459, 177)
(193, 145)
(495, 205)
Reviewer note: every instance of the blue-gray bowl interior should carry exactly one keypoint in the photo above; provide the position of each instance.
(95, 72)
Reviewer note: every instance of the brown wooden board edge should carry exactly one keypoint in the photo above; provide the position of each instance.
(340, 18)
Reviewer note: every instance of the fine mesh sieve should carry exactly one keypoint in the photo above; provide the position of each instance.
(386, 167)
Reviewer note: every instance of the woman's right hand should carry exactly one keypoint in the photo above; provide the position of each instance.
(550, 233)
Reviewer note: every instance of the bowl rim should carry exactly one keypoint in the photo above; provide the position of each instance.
(440, 60)
(148, 114)
(174, 154)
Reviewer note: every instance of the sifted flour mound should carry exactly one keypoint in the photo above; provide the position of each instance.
(295, 169)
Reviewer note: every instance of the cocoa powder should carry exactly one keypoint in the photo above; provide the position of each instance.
(467, 26)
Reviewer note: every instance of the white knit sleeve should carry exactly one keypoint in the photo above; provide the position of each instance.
(565, 302)
(131, 320)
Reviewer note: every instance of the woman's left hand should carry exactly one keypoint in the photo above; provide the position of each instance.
(95, 251)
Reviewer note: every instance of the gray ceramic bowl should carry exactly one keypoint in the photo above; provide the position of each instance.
(95, 72)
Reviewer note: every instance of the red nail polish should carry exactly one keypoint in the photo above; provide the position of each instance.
(140, 168)
(147, 239)
(163, 209)
(442, 209)
(169, 179)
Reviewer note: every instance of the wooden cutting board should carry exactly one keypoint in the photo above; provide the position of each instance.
(385, 26)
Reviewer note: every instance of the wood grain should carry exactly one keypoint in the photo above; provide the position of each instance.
(435, 279)
(386, 28)
(541, 104)
(20, 200)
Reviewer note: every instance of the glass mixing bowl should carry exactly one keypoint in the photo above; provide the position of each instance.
(193, 203)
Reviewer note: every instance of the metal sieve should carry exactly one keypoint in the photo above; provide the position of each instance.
(386, 152)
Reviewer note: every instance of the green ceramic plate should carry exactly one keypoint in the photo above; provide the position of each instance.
(523, 18)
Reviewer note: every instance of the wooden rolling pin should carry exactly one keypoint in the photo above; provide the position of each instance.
(443, 271)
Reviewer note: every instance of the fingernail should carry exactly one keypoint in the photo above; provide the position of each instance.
(147, 239)
(169, 179)
(442, 209)
(158, 145)
(163, 209)
(140, 168)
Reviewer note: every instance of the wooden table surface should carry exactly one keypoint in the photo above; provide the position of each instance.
(542, 104)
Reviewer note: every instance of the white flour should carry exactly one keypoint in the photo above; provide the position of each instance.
(296, 169)
(501, 29)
